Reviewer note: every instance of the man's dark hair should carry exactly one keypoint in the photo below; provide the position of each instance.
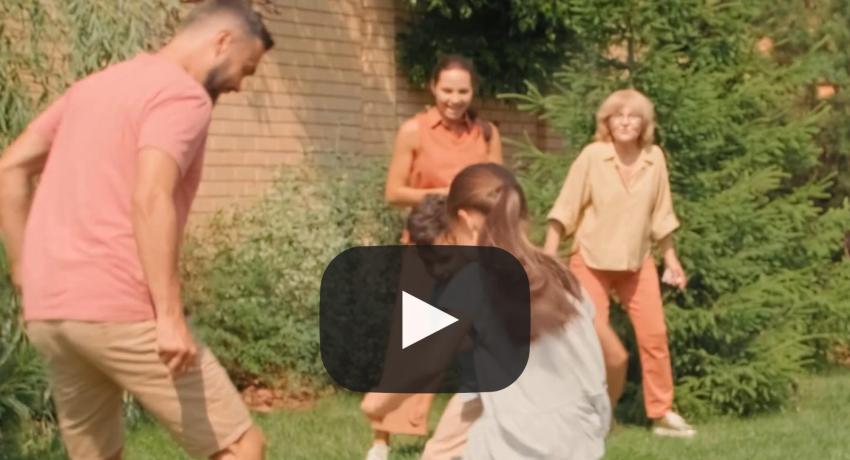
(251, 20)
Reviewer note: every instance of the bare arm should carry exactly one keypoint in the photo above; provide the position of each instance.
(554, 233)
(667, 247)
(23, 160)
(674, 274)
(664, 223)
(157, 236)
(397, 191)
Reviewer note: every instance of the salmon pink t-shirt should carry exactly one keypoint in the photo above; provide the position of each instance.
(80, 259)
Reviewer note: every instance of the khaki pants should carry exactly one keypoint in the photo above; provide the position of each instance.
(409, 417)
(90, 365)
(449, 439)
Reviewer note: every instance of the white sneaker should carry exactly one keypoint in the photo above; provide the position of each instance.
(378, 451)
(673, 425)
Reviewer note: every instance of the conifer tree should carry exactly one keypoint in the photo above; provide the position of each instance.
(744, 165)
(751, 155)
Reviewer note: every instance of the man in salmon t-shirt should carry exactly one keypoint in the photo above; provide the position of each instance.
(95, 250)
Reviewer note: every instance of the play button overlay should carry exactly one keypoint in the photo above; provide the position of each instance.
(424, 319)
(419, 320)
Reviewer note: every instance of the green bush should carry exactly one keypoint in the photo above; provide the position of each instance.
(814, 37)
(510, 41)
(24, 396)
(760, 245)
(253, 275)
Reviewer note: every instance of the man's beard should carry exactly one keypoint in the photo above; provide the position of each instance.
(213, 83)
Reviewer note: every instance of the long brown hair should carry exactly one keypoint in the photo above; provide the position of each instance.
(493, 191)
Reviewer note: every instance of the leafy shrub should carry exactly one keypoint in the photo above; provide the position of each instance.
(761, 248)
(510, 41)
(253, 274)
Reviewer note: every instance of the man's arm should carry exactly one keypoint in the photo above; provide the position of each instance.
(22, 161)
(157, 236)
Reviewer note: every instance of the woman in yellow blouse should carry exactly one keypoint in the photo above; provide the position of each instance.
(616, 203)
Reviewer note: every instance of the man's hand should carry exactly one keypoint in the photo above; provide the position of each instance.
(157, 236)
(176, 347)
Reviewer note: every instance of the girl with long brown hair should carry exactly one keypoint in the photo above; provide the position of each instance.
(558, 407)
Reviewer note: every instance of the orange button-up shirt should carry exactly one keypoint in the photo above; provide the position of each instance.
(615, 225)
(442, 153)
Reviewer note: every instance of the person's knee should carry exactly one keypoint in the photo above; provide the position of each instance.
(117, 455)
(255, 438)
(369, 407)
(250, 446)
(618, 358)
(614, 352)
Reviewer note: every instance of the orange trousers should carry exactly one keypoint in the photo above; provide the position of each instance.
(407, 414)
(640, 294)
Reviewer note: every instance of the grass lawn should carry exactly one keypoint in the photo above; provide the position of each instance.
(334, 429)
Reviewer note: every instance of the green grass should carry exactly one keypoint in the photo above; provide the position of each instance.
(334, 429)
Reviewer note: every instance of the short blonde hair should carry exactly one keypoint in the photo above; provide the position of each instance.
(634, 100)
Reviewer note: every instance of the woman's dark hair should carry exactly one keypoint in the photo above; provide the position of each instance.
(456, 61)
(427, 220)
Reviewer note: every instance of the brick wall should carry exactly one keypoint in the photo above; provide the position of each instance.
(330, 84)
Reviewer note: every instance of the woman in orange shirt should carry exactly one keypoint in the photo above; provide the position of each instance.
(430, 149)
(615, 203)
(435, 145)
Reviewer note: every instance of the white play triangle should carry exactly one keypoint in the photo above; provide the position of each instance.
(420, 319)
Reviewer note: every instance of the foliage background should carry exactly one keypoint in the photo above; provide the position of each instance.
(254, 274)
(758, 167)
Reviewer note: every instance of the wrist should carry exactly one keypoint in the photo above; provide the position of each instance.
(666, 245)
(169, 311)
(167, 298)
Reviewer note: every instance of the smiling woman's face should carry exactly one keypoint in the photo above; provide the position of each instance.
(453, 93)
(625, 125)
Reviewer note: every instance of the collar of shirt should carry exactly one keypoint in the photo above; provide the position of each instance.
(435, 119)
(644, 154)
